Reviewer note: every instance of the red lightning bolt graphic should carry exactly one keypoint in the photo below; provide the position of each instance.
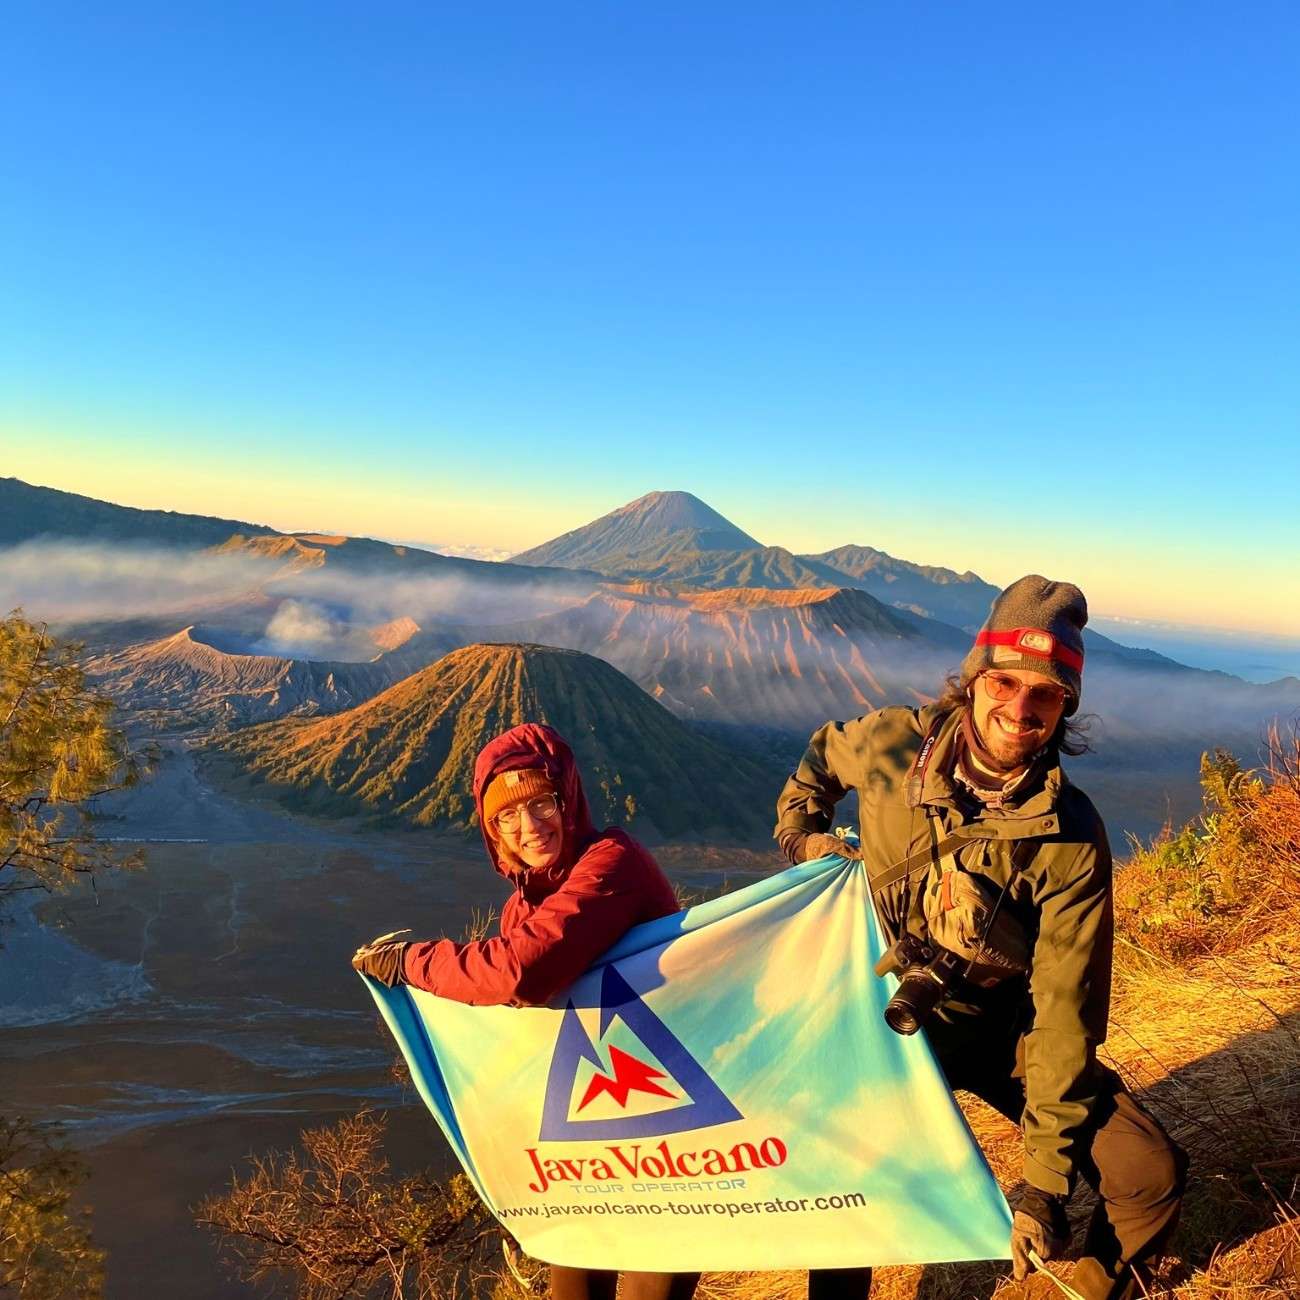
(630, 1075)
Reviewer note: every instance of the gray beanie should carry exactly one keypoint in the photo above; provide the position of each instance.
(1038, 625)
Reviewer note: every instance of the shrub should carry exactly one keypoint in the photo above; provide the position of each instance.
(1228, 876)
(45, 1251)
(337, 1222)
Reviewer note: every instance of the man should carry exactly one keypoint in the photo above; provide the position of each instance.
(976, 844)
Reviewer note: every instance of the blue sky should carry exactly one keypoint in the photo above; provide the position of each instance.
(1001, 287)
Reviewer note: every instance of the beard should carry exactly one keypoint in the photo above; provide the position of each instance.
(1012, 750)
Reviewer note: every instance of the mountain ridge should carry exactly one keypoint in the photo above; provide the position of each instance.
(27, 508)
(674, 538)
(782, 658)
(930, 590)
(671, 560)
(31, 513)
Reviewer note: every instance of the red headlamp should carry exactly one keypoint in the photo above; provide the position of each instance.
(1034, 641)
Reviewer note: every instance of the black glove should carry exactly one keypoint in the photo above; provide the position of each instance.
(383, 958)
(818, 845)
(1039, 1224)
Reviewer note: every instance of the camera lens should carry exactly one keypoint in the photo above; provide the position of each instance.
(919, 991)
(900, 1017)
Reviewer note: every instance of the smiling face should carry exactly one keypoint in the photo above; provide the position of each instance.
(1017, 725)
(532, 831)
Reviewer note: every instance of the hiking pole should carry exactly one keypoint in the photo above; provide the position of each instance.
(1065, 1288)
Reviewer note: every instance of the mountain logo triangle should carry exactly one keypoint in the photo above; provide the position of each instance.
(625, 1082)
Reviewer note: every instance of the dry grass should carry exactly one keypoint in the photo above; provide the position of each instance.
(1228, 877)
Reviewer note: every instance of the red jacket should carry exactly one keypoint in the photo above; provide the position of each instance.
(559, 921)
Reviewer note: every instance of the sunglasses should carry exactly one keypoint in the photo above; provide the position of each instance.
(541, 809)
(1003, 688)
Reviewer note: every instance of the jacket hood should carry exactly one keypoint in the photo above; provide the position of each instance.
(533, 744)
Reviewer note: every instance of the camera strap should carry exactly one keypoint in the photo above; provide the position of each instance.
(916, 773)
(923, 857)
(913, 789)
(1022, 853)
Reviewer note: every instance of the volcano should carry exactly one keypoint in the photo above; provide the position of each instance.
(407, 755)
(183, 680)
(656, 523)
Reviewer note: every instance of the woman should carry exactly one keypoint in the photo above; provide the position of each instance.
(576, 891)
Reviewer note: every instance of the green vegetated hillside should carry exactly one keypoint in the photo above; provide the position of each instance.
(28, 512)
(408, 754)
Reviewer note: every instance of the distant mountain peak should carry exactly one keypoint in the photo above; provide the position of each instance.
(652, 521)
(680, 511)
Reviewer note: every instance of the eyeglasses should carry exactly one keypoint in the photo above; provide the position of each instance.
(541, 809)
(1003, 688)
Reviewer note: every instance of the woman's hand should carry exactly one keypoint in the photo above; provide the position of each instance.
(382, 959)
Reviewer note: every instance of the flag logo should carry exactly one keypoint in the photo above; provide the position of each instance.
(645, 1084)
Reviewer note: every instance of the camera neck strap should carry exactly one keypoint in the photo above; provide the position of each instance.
(914, 789)
(923, 857)
(929, 855)
(915, 782)
(1022, 853)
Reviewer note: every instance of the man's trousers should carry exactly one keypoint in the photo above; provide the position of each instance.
(1136, 1169)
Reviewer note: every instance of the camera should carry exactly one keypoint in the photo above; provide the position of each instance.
(926, 975)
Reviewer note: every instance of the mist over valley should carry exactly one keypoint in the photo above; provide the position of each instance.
(197, 632)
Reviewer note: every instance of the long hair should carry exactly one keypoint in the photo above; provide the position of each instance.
(1071, 734)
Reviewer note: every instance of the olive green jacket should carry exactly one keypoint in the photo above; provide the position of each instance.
(1061, 895)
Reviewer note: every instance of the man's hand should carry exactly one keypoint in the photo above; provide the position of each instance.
(382, 958)
(1040, 1225)
(818, 845)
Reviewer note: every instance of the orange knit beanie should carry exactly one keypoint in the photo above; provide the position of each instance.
(516, 786)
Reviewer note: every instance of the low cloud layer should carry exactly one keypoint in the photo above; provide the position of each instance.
(62, 582)
(68, 581)
(460, 549)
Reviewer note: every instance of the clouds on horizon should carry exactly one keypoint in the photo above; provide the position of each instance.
(56, 581)
(74, 582)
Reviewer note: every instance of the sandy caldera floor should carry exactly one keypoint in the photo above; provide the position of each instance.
(203, 1009)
